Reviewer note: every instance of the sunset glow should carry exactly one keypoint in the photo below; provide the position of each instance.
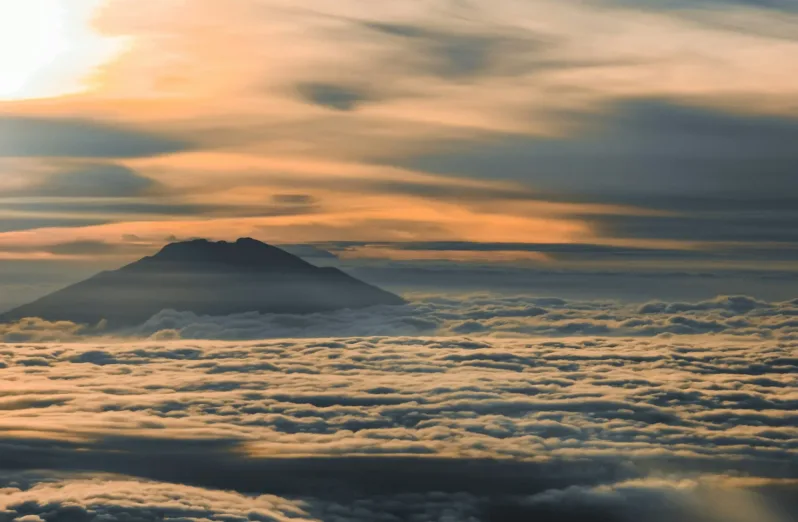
(398, 261)
(48, 47)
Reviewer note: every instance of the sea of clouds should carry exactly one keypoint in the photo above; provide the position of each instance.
(474, 315)
(691, 428)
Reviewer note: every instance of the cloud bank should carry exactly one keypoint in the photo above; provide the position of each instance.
(498, 316)
(473, 315)
(404, 428)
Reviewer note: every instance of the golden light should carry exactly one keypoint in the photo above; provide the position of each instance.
(47, 47)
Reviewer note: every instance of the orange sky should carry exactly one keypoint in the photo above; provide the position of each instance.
(293, 121)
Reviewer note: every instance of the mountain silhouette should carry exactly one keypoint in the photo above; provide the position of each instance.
(207, 278)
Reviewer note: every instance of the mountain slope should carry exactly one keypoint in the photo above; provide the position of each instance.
(207, 278)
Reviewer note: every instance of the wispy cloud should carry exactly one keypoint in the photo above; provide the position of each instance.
(518, 122)
(74, 138)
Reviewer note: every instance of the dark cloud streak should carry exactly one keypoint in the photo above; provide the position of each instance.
(336, 97)
(704, 166)
(90, 180)
(30, 137)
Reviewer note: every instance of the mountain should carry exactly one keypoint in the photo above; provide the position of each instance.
(207, 278)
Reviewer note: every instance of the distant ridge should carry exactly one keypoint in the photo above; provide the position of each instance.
(207, 278)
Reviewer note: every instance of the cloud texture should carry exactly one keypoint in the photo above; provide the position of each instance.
(611, 124)
(404, 428)
(498, 316)
(473, 315)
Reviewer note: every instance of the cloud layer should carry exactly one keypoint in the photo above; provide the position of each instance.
(475, 315)
(603, 123)
(499, 316)
(374, 428)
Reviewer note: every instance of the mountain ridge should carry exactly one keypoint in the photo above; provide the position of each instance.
(207, 278)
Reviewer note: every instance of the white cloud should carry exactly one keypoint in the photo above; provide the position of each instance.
(497, 316)
(479, 316)
(39, 330)
(34, 498)
(368, 428)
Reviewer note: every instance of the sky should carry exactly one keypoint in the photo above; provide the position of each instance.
(589, 207)
(544, 136)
